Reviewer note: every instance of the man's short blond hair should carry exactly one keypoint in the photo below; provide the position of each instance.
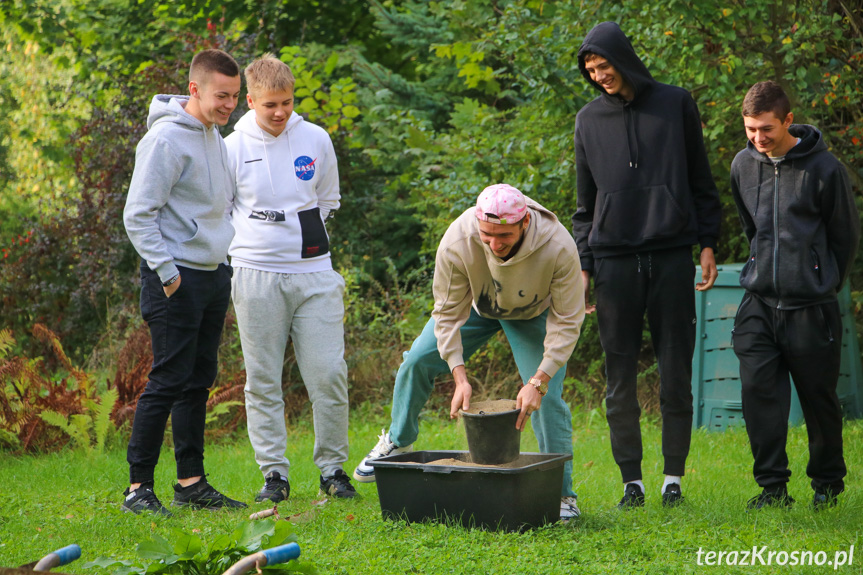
(268, 74)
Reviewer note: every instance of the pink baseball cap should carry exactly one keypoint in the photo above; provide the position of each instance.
(501, 204)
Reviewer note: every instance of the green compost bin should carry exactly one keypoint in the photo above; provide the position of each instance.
(716, 372)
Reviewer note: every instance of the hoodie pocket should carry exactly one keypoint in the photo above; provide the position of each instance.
(638, 215)
(315, 240)
(209, 245)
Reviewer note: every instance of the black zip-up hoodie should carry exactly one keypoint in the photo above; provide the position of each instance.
(800, 219)
(644, 181)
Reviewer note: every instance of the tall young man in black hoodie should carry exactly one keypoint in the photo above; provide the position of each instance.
(798, 212)
(645, 197)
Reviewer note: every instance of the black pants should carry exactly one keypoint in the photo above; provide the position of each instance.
(662, 284)
(185, 330)
(805, 343)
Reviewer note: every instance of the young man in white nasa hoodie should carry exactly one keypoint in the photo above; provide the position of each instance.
(284, 286)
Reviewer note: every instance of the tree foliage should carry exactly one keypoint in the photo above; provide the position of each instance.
(427, 103)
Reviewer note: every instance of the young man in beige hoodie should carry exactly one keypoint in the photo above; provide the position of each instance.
(507, 264)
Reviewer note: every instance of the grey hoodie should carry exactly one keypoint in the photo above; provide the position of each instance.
(175, 210)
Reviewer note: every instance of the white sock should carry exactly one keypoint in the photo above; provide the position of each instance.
(669, 479)
(636, 482)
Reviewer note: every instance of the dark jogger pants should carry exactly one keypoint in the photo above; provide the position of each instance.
(806, 344)
(185, 330)
(662, 284)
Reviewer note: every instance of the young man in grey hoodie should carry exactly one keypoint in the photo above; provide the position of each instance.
(175, 217)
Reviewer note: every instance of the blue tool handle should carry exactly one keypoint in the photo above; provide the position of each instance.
(68, 554)
(282, 553)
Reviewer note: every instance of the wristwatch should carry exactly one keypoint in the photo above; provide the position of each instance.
(539, 385)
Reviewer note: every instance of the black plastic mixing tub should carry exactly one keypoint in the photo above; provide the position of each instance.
(498, 498)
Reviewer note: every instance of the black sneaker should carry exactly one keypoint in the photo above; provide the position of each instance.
(338, 485)
(275, 488)
(672, 496)
(202, 495)
(824, 499)
(633, 496)
(143, 500)
(773, 496)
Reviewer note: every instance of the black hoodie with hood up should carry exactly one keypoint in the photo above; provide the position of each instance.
(801, 221)
(644, 181)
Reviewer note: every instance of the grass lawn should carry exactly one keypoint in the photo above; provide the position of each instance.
(49, 501)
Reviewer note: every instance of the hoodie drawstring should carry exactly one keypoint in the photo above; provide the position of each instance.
(267, 160)
(632, 163)
(293, 164)
(207, 156)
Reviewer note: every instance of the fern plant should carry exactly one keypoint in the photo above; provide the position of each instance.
(88, 431)
(6, 342)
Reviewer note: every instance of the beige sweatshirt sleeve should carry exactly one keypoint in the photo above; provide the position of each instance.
(452, 301)
(566, 312)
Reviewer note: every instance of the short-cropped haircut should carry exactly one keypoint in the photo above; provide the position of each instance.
(209, 61)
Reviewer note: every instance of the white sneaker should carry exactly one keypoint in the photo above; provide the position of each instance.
(569, 508)
(365, 473)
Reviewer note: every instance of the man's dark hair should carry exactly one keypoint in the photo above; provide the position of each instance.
(209, 61)
(766, 97)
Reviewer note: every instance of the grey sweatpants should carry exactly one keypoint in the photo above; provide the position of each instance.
(307, 309)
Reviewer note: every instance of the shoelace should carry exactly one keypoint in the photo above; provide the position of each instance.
(341, 479)
(208, 492)
(149, 497)
(274, 482)
(383, 444)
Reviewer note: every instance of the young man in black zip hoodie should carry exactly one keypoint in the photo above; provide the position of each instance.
(645, 197)
(798, 213)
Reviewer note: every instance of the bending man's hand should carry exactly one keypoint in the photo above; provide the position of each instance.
(529, 400)
(462, 393)
(709, 272)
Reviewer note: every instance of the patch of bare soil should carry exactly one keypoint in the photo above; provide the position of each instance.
(491, 406)
(521, 461)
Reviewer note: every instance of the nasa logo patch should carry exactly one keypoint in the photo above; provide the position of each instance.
(304, 166)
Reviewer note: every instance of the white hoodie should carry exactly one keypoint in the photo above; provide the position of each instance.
(286, 187)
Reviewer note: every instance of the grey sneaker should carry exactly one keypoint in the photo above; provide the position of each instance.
(365, 473)
(338, 485)
(202, 495)
(275, 488)
(143, 500)
(569, 508)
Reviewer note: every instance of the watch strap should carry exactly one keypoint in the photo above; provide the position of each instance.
(539, 385)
